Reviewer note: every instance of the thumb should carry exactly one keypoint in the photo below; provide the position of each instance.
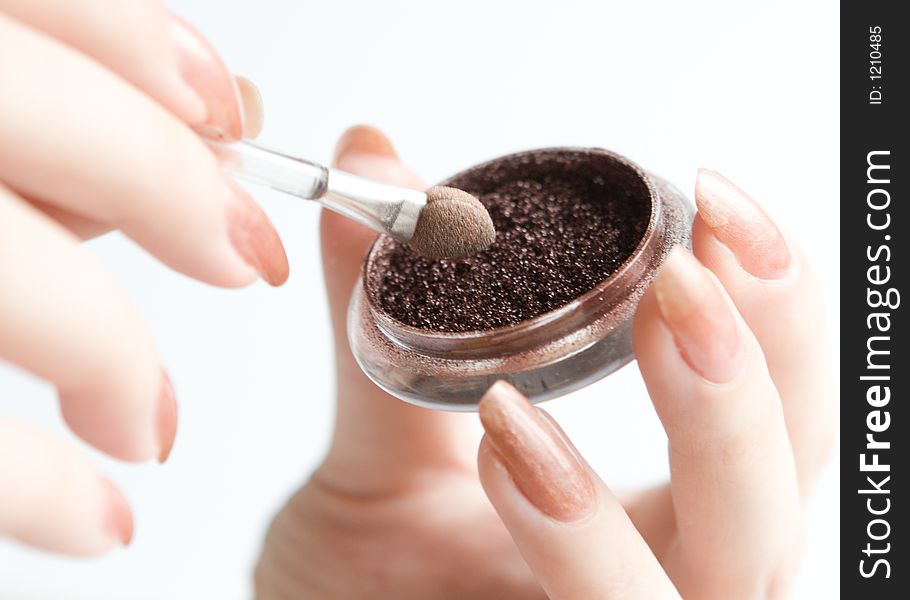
(378, 438)
(568, 526)
(363, 151)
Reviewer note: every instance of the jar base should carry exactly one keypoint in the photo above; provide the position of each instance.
(443, 384)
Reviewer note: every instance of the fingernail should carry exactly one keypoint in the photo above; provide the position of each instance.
(167, 418)
(741, 225)
(203, 70)
(701, 320)
(363, 139)
(251, 100)
(254, 237)
(119, 518)
(540, 461)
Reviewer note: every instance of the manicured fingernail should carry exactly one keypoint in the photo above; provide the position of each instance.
(167, 418)
(540, 461)
(701, 320)
(254, 237)
(203, 70)
(251, 100)
(119, 517)
(741, 225)
(363, 139)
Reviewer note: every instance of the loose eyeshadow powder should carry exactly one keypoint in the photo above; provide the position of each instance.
(562, 226)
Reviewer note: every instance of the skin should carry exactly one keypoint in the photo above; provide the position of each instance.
(110, 146)
(744, 393)
(749, 428)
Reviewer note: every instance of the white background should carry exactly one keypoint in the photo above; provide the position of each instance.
(747, 89)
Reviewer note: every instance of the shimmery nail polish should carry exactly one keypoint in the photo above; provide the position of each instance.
(251, 100)
(203, 70)
(254, 237)
(700, 318)
(741, 225)
(119, 517)
(166, 420)
(539, 460)
(363, 139)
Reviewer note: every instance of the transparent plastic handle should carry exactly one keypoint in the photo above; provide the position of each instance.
(278, 171)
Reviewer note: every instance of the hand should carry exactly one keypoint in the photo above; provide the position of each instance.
(395, 511)
(95, 134)
(732, 348)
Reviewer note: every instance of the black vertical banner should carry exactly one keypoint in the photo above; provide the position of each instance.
(874, 264)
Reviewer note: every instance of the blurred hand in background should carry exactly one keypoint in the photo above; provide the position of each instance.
(97, 112)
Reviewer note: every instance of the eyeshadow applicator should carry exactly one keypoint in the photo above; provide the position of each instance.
(442, 222)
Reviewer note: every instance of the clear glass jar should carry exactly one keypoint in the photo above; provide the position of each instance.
(549, 355)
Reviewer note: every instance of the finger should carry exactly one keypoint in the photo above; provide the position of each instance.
(775, 291)
(85, 228)
(82, 227)
(253, 113)
(100, 149)
(144, 44)
(733, 479)
(69, 323)
(378, 438)
(201, 66)
(568, 526)
(54, 499)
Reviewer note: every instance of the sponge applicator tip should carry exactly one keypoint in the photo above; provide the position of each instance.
(453, 224)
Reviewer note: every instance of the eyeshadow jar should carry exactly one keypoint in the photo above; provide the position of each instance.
(549, 354)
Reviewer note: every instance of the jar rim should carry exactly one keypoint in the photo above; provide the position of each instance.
(467, 341)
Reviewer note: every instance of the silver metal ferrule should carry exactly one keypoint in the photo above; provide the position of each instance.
(387, 208)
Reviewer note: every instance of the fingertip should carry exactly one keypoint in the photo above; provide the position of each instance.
(130, 415)
(501, 399)
(363, 139)
(111, 424)
(203, 70)
(542, 462)
(251, 101)
(166, 418)
(364, 150)
(255, 238)
(61, 503)
(701, 317)
(119, 517)
(741, 224)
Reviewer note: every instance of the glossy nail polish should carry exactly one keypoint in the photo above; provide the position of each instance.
(254, 237)
(166, 421)
(119, 517)
(363, 139)
(741, 225)
(251, 101)
(540, 461)
(699, 316)
(203, 70)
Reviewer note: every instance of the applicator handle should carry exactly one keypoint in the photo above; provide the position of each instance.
(278, 171)
(388, 209)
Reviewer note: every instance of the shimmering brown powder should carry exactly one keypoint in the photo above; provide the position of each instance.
(558, 233)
